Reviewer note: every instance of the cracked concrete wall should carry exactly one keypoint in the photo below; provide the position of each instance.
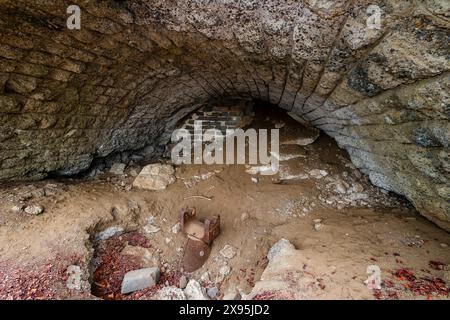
(137, 67)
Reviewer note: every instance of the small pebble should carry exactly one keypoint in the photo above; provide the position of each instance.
(183, 282)
(34, 209)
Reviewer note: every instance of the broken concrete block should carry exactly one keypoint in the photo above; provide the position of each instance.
(139, 279)
(155, 177)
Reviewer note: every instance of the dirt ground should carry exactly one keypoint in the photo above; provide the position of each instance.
(339, 232)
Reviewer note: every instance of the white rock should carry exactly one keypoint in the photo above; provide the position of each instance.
(17, 209)
(74, 274)
(318, 174)
(176, 228)
(34, 209)
(212, 292)
(340, 186)
(194, 291)
(117, 168)
(245, 216)
(149, 228)
(264, 170)
(205, 277)
(139, 279)
(228, 252)
(109, 232)
(277, 248)
(183, 282)
(224, 270)
(170, 293)
(155, 177)
(358, 196)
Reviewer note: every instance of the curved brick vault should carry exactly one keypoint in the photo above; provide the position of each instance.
(136, 68)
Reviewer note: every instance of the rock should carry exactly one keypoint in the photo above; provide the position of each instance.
(224, 270)
(228, 252)
(300, 137)
(183, 282)
(167, 240)
(117, 168)
(263, 170)
(318, 174)
(205, 277)
(149, 228)
(255, 180)
(245, 216)
(139, 279)
(340, 186)
(232, 293)
(212, 292)
(17, 209)
(176, 228)
(358, 196)
(170, 293)
(277, 248)
(155, 177)
(74, 274)
(34, 209)
(317, 226)
(357, 187)
(194, 291)
(134, 173)
(109, 232)
(373, 282)
(444, 245)
(25, 196)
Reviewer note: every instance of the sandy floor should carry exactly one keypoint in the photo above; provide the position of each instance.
(375, 229)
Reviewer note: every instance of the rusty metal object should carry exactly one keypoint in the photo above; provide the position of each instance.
(201, 233)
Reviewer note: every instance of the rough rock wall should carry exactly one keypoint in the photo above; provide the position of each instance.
(137, 67)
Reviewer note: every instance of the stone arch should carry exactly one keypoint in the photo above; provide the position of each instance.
(136, 67)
